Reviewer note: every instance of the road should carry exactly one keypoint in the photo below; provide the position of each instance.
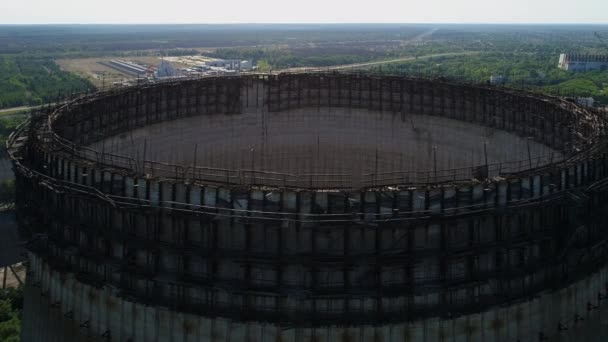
(14, 109)
(368, 64)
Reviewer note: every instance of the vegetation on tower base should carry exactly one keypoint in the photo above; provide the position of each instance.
(11, 305)
(7, 125)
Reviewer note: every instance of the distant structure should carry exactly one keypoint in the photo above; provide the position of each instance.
(127, 67)
(165, 69)
(581, 62)
(585, 101)
(497, 79)
(230, 64)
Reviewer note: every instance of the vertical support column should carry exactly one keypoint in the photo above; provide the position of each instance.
(330, 80)
(423, 89)
(401, 100)
(411, 95)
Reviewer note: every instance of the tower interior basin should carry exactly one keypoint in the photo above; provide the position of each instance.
(323, 141)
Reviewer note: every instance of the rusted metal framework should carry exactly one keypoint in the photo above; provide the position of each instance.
(315, 249)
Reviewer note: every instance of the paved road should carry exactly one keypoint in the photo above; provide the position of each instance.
(12, 109)
(367, 64)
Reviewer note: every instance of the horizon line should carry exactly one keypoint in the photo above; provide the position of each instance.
(309, 23)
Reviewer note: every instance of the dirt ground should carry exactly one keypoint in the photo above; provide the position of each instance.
(188, 61)
(12, 276)
(101, 75)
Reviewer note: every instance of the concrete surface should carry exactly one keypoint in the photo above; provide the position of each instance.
(327, 140)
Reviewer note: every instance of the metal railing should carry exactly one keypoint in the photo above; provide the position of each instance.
(153, 169)
(460, 174)
(245, 177)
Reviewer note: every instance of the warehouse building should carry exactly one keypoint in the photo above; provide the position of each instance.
(581, 62)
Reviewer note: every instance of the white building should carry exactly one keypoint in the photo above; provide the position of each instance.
(497, 79)
(585, 101)
(230, 64)
(165, 69)
(245, 65)
(581, 62)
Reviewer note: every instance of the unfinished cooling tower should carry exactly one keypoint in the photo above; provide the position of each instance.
(313, 207)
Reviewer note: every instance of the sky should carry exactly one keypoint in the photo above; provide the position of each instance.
(302, 11)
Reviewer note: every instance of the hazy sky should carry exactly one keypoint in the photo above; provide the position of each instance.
(303, 11)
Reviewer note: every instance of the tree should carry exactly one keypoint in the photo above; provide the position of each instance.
(11, 304)
(263, 65)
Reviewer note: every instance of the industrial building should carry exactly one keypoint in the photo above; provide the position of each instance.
(230, 64)
(313, 207)
(128, 68)
(585, 101)
(166, 70)
(582, 62)
(497, 79)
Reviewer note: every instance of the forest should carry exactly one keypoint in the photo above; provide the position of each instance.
(32, 80)
(281, 58)
(525, 54)
(86, 40)
(535, 71)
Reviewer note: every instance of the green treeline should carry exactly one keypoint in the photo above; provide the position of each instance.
(275, 58)
(7, 125)
(534, 70)
(31, 80)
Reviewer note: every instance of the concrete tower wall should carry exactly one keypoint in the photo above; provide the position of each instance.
(180, 251)
(69, 310)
